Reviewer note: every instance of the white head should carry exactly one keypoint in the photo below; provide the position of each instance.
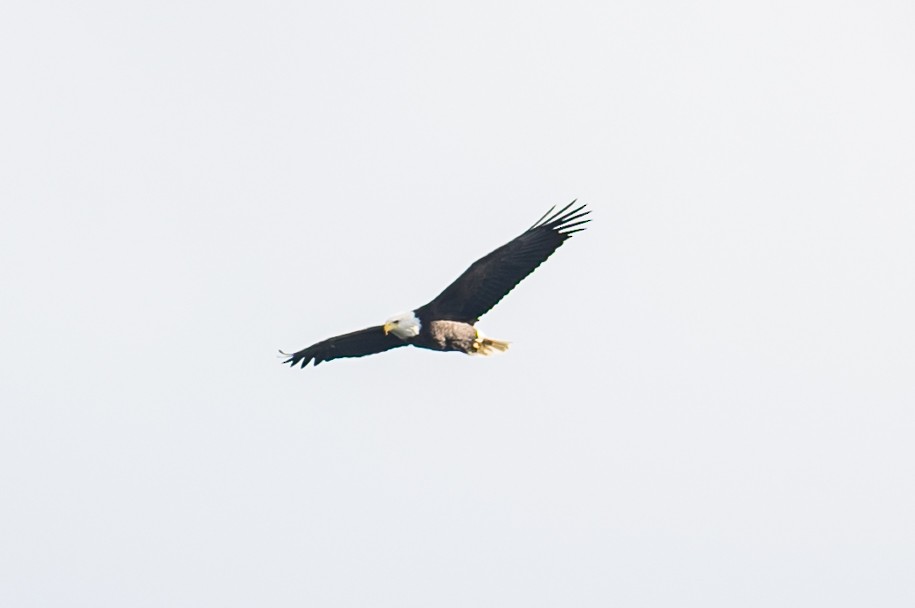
(404, 326)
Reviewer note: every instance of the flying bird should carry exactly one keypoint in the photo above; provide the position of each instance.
(447, 322)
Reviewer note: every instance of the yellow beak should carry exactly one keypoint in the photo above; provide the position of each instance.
(387, 328)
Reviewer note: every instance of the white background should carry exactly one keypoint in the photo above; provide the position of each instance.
(709, 396)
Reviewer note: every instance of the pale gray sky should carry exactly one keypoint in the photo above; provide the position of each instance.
(709, 397)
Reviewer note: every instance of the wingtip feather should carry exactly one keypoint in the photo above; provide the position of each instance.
(537, 223)
(565, 218)
(551, 217)
(558, 214)
(564, 229)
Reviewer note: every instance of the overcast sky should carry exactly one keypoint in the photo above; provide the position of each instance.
(709, 396)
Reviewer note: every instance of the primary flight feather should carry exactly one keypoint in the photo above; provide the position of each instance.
(447, 322)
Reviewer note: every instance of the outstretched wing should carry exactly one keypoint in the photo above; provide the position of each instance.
(356, 344)
(490, 278)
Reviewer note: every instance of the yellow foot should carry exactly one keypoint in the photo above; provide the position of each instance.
(486, 346)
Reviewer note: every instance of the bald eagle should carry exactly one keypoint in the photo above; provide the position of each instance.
(447, 322)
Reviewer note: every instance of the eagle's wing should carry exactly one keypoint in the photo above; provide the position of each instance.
(356, 344)
(490, 278)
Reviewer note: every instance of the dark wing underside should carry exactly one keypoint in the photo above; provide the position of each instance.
(490, 278)
(356, 344)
